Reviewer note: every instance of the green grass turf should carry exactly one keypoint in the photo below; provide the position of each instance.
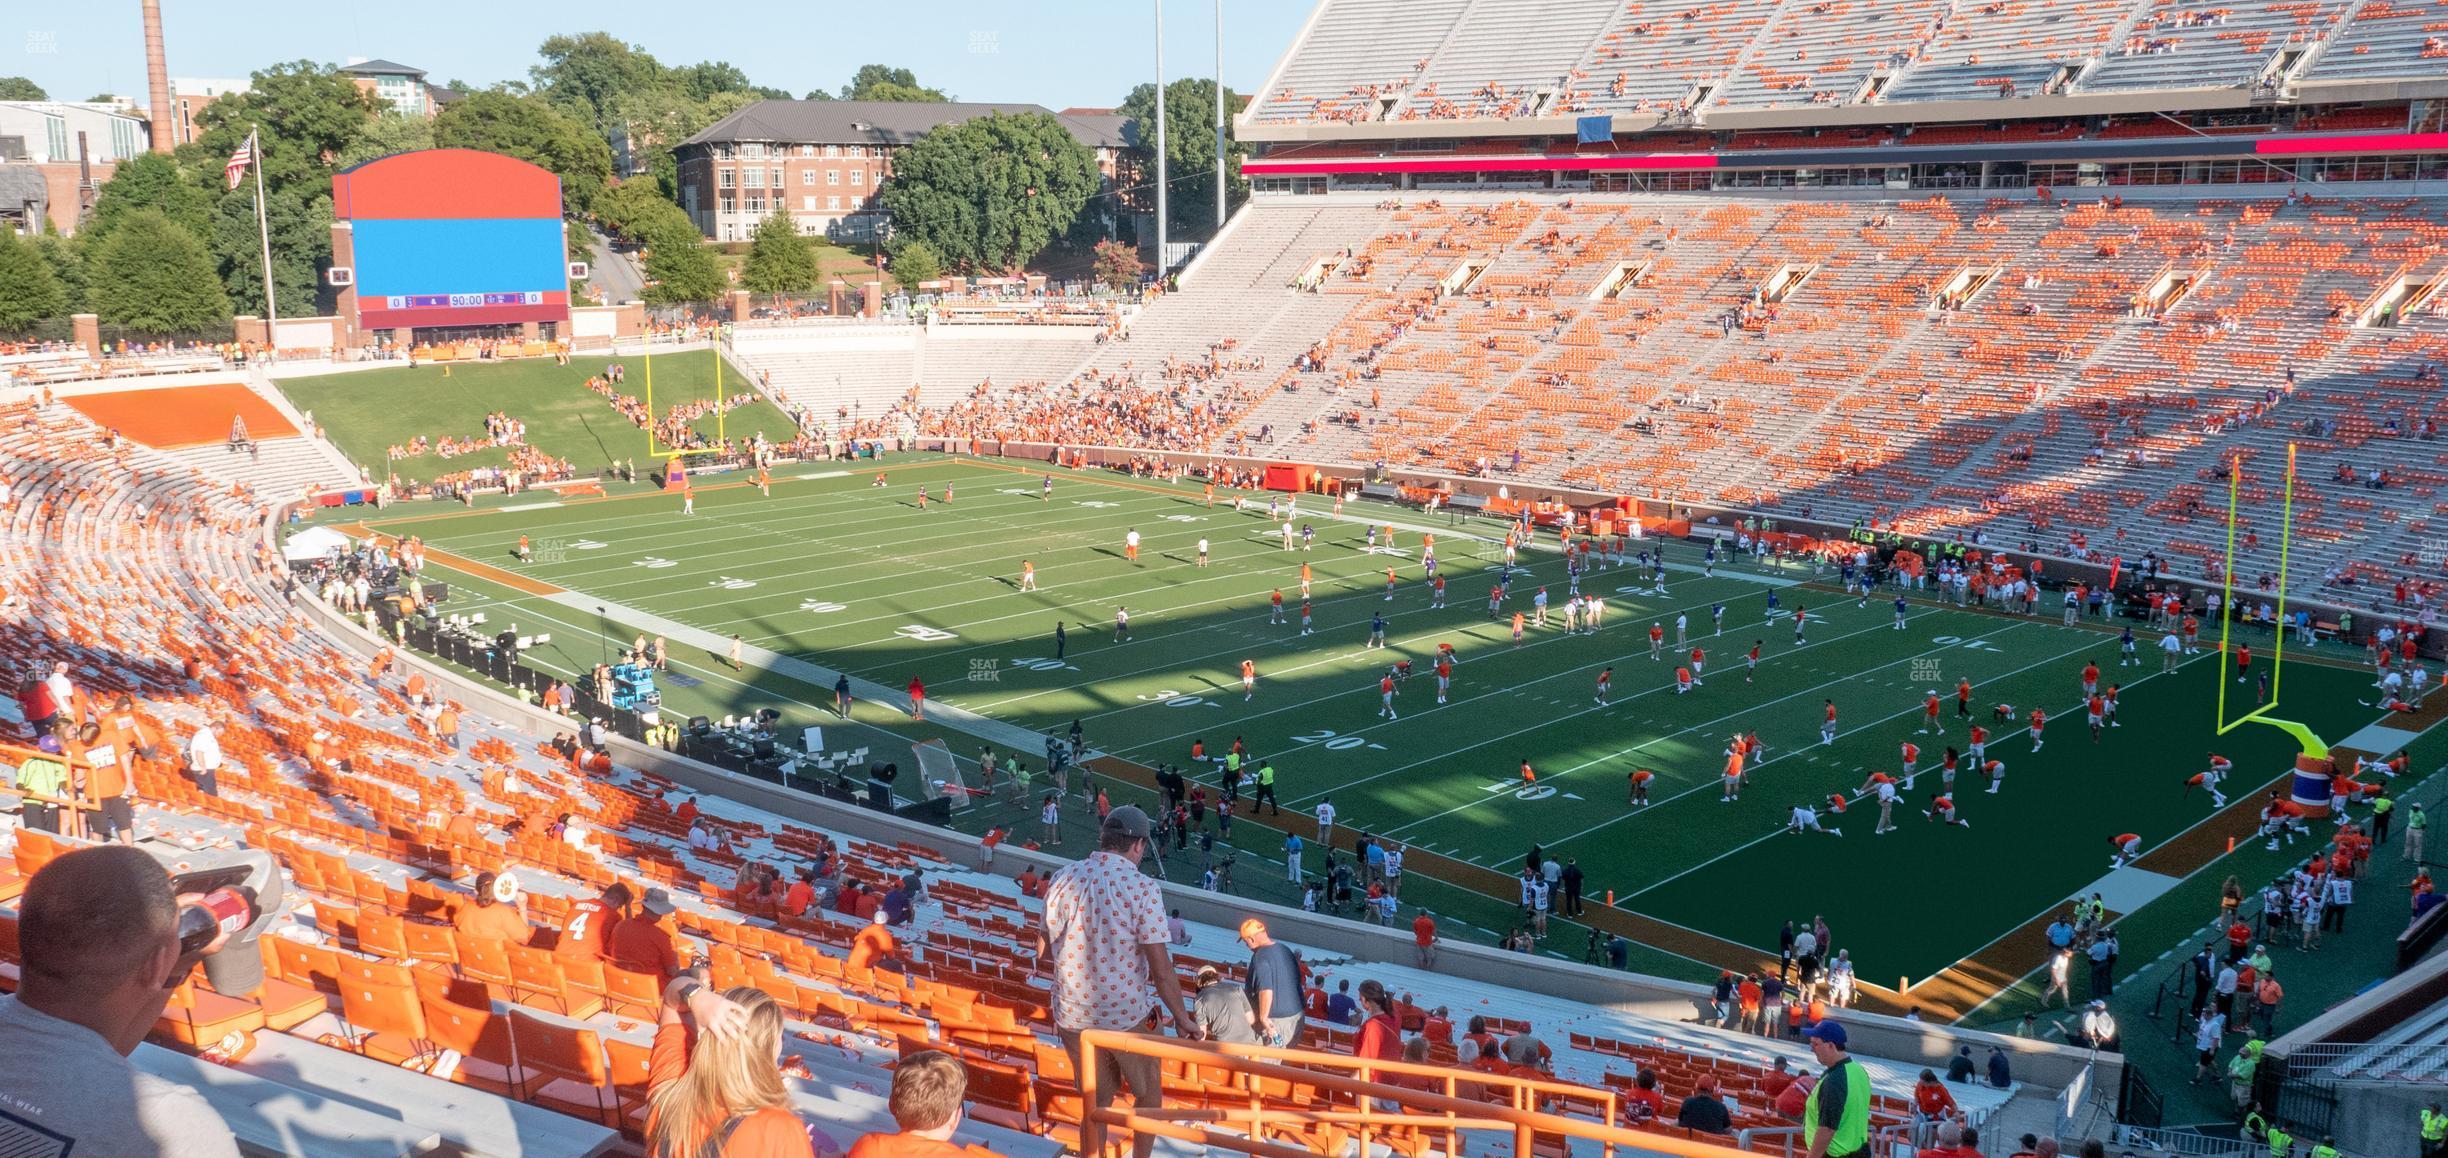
(853, 576)
(369, 411)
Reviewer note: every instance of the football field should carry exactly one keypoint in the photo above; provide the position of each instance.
(833, 573)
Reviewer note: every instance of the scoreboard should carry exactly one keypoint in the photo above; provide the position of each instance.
(452, 237)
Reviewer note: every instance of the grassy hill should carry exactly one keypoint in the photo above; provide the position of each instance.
(369, 411)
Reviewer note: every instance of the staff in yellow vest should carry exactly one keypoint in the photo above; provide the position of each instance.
(1836, 1115)
(2434, 1131)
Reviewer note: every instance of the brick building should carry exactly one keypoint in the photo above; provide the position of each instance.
(42, 136)
(824, 161)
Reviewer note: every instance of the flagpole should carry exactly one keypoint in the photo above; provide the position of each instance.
(264, 231)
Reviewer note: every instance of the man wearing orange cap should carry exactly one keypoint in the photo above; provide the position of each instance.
(1273, 982)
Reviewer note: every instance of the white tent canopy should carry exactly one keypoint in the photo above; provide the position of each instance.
(313, 543)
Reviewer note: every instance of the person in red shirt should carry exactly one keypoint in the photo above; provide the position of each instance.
(641, 944)
(1423, 936)
(712, 1083)
(917, 699)
(1380, 1037)
(687, 811)
(1931, 1099)
(588, 930)
(927, 1091)
(1963, 699)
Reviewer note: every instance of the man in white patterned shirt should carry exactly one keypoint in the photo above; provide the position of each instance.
(1105, 938)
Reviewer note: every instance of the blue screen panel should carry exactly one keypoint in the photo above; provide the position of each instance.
(459, 255)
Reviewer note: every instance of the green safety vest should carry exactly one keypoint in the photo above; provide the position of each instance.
(1232, 761)
(44, 775)
(2418, 819)
(2383, 806)
(2280, 1142)
(2434, 1127)
(1266, 775)
(2324, 1150)
(1853, 1127)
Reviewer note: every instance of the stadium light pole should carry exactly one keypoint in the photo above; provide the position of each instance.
(1162, 248)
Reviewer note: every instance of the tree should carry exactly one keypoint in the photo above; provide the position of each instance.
(878, 82)
(151, 181)
(989, 194)
(913, 261)
(29, 291)
(1117, 265)
(682, 269)
(624, 208)
(18, 88)
(308, 114)
(67, 264)
(708, 79)
(780, 260)
(154, 277)
(586, 75)
(391, 133)
(1190, 152)
(660, 118)
(300, 222)
(531, 130)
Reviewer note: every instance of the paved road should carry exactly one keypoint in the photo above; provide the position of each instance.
(615, 275)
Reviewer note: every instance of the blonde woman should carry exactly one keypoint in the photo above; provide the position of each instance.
(714, 1086)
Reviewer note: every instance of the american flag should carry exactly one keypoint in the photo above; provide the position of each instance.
(238, 162)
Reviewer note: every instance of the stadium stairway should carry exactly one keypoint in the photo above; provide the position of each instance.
(279, 469)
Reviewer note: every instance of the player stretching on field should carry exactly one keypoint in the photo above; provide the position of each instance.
(1304, 616)
(1657, 642)
(1942, 809)
(1444, 674)
(1751, 662)
(2212, 777)
(1806, 819)
(1637, 793)
(1827, 725)
(1249, 679)
(1028, 575)
(1385, 694)
(2039, 720)
(1275, 607)
(1606, 680)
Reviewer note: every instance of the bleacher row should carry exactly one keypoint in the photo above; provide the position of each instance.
(1365, 61)
(156, 584)
(2096, 367)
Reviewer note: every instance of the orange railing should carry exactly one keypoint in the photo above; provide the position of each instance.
(1292, 1103)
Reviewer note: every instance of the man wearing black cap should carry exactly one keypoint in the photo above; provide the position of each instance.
(1105, 939)
(1836, 1115)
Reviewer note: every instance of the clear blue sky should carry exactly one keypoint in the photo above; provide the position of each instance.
(1056, 53)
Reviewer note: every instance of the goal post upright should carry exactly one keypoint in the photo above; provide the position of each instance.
(2313, 749)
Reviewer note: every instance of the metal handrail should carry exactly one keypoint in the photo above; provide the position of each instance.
(1363, 1081)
